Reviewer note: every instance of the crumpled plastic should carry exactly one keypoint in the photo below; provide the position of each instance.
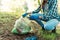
(24, 26)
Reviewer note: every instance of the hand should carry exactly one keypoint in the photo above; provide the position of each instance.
(35, 16)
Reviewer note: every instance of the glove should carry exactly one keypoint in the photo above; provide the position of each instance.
(35, 16)
(25, 14)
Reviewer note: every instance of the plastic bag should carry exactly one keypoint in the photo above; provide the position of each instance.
(23, 25)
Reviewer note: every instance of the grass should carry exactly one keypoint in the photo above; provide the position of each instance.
(7, 21)
(46, 35)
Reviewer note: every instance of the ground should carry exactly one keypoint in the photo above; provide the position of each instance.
(7, 23)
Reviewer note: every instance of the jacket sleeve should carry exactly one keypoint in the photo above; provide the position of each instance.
(37, 10)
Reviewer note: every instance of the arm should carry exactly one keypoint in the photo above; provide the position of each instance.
(37, 10)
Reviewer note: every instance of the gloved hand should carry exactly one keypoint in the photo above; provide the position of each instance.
(35, 16)
(25, 14)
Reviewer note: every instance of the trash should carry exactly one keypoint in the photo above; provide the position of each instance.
(31, 38)
(21, 26)
(24, 26)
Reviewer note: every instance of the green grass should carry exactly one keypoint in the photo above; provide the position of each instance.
(7, 21)
(46, 35)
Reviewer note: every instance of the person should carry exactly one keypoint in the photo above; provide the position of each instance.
(49, 13)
